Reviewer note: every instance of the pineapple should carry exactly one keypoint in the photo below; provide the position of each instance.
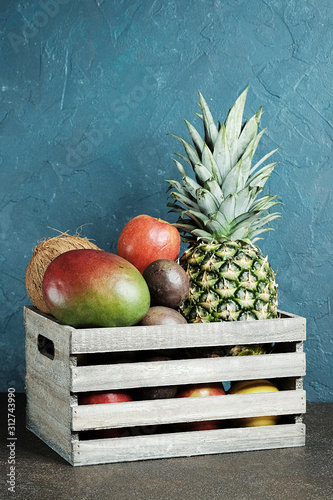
(221, 217)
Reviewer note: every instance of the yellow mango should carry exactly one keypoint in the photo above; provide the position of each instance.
(254, 386)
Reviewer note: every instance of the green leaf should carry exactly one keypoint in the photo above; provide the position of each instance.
(200, 218)
(256, 227)
(202, 173)
(259, 180)
(260, 231)
(196, 138)
(221, 219)
(185, 158)
(239, 234)
(238, 176)
(242, 200)
(191, 185)
(264, 158)
(209, 124)
(176, 208)
(206, 201)
(222, 155)
(177, 185)
(233, 123)
(187, 228)
(248, 155)
(264, 203)
(189, 149)
(209, 161)
(215, 229)
(203, 235)
(180, 168)
(214, 187)
(184, 200)
(265, 220)
(235, 180)
(241, 225)
(246, 220)
(227, 208)
(247, 135)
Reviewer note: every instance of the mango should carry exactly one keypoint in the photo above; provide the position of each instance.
(254, 386)
(94, 288)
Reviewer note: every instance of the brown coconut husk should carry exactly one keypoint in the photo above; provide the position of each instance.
(44, 253)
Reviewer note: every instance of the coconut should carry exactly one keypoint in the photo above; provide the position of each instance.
(44, 253)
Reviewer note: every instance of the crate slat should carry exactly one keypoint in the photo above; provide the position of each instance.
(167, 411)
(187, 371)
(286, 329)
(187, 444)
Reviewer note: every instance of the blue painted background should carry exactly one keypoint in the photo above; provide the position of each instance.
(89, 90)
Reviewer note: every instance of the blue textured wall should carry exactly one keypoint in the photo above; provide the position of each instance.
(89, 90)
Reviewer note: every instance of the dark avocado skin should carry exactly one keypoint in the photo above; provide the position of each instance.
(157, 392)
(162, 392)
(168, 283)
(161, 315)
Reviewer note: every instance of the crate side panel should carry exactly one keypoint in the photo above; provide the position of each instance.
(191, 335)
(47, 384)
(188, 444)
(46, 323)
(55, 370)
(166, 411)
(187, 371)
(49, 417)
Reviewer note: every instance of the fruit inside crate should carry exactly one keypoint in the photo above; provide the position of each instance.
(155, 428)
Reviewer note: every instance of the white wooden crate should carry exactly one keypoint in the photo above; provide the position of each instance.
(53, 385)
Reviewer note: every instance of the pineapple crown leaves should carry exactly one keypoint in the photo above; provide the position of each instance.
(219, 199)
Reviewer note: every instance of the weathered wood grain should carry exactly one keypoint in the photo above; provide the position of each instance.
(289, 328)
(166, 411)
(186, 371)
(187, 444)
(48, 413)
(134, 338)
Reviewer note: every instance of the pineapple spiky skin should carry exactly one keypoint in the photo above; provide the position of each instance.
(250, 350)
(228, 282)
(236, 350)
(221, 217)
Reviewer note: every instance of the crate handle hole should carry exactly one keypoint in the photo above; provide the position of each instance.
(45, 346)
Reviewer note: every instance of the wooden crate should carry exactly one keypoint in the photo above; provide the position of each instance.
(53, 385)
